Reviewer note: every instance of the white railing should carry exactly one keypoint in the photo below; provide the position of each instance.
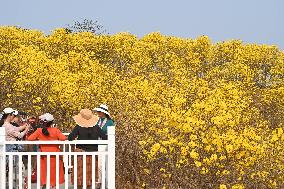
(16, 169)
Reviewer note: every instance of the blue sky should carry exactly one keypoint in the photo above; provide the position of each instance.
(253, 21)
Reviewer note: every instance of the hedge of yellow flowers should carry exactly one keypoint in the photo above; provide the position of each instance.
(189, 113)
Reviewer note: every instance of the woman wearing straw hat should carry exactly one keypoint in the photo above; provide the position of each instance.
(85, 129)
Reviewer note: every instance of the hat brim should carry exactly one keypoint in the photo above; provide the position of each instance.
(8, 110)
(101, 110)
(86, 122)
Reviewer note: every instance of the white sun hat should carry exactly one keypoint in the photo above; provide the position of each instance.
(103, 108)
(46, 117)
(15, 112)
(8, 110)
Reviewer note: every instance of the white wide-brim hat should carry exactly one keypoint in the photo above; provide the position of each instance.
(103, 108)
(86, 118)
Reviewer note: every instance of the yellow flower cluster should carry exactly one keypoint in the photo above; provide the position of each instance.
(189, 113)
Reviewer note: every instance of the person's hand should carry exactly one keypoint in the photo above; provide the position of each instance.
(25, 125)
(28, 126)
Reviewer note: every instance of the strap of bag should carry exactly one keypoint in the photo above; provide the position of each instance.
(102, 124)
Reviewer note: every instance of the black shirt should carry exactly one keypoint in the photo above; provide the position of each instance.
(87, 133)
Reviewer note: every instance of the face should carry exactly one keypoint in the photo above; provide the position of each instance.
(41, 122)
(101, 114)
(16, 119)
(32, 122)
(10, 118)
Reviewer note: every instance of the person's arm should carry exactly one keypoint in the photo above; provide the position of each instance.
(20, 128)
(34, 136)
(74, 134)
(101, 134)
(12, 131)
(110, 122)
(60, 135)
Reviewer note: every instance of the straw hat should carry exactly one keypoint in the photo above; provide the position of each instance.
(86, 118)
(103, 108)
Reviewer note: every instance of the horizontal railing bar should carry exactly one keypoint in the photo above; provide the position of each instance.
(101, 142)
(55, 153)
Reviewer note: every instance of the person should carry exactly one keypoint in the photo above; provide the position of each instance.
(34, 147)
(46, 132)
(85, 129)
(13, 133)
(33, 123)
(18, 121)
(104, 122)
(104, 118)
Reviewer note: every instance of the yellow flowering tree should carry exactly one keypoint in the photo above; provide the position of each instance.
(189, 113)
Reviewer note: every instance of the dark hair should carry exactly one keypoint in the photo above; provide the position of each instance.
(15, 124)
(4, 116)
(23, 113)
(107, 116)
(44, 128)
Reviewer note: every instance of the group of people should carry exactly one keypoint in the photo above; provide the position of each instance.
(89, 125)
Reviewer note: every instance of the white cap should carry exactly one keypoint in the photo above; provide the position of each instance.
(15, 112)
(8, 110)
(46, 117)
